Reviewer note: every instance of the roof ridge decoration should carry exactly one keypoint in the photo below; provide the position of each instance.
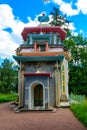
(43, 18)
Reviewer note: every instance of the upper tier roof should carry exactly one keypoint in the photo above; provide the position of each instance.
(49, 29)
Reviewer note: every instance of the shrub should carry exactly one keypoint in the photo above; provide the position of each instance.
(7, 97)
(80, 111)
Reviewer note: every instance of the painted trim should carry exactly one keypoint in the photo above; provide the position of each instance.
(37, 58)
(38, 74)
(63, 78)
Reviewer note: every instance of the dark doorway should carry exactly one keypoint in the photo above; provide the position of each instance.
(42, 47)
(38, 95)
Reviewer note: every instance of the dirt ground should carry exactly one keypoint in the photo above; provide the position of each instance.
(62, 119)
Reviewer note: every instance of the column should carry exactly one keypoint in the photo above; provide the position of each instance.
(46, 98)
(57, 83)
(23, 92)
(21, 86)
(58, 102)
(35, 46)
(29, 99)
(46, 46)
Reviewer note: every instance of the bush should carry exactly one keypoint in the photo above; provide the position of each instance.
(8, 97)
(80, 111)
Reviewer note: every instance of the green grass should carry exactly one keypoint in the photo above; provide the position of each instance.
(8, 97)
(80, 111)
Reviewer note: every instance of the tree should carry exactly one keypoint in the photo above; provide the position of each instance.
(77, 45)
(58, 19)
(78, 65)
(8, 76)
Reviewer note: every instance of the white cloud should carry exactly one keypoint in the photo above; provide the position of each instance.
(71, 26)
(82, 5)
(6, 16)
(59, 2)
(66, 8)
(74, 33)
(9, 41)
(7, 44)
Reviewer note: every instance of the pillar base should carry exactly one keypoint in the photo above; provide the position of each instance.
(64, 98)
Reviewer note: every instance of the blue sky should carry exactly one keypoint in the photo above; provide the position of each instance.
(17, 14)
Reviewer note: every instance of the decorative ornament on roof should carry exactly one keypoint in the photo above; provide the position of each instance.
(43, 18)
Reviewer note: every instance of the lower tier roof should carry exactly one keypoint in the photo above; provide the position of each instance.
(37, 58)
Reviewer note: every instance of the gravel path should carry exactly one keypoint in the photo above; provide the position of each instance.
(62, 119)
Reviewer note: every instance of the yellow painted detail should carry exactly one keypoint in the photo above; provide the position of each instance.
(63, 79)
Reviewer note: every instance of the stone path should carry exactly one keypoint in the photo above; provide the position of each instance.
(62, 119)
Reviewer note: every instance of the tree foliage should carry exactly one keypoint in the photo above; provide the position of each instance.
(58, 19)
(77, 45)
(8, 77)
(78, 65)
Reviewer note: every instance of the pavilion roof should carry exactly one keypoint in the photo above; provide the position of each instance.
(54, 29)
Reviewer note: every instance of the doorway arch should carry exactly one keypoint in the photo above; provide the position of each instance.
(38, 95)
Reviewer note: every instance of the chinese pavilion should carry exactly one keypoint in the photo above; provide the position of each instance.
(43, 68)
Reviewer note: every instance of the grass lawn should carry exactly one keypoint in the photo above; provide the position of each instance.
(8, 97)
(80, 111)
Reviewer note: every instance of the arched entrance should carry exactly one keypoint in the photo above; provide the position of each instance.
(38, 95)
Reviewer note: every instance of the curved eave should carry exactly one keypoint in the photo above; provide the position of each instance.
(37, 58)
(57, 29)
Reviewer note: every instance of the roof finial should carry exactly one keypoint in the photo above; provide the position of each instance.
(43, 18)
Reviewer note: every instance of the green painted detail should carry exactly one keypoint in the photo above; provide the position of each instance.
(37, 58)
(39, 37)
(63, 68)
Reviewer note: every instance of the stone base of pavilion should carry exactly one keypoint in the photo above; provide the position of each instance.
(65, 104)
(37, 109)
